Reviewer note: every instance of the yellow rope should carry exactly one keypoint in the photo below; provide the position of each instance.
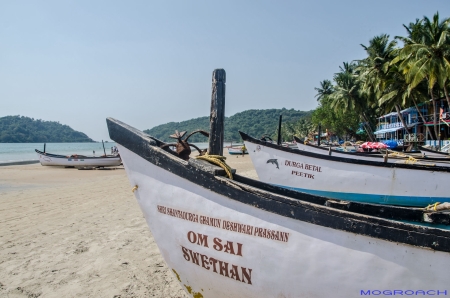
(134, 188)
(410, 159)
(432, 206)
(435, 206)
(217, 160)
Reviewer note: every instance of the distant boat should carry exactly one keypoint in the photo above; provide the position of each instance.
(240, 237)
(236, 150)
(350, 178)
(48, 159)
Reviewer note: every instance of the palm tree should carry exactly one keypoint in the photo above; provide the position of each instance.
(426, 56)
(347, 95)
(325, 89)
(382, 83)
(373, 69)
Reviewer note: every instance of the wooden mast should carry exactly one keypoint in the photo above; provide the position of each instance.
(217, 116)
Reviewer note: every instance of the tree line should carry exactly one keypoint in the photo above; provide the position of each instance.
(397, 73)
(254, 122)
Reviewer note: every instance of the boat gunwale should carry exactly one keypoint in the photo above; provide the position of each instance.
(204, 175)
(377, 154)
(435, 152)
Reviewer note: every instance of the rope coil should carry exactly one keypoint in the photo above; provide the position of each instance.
(219, 161)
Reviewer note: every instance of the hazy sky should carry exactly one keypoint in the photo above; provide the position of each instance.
(150, 62)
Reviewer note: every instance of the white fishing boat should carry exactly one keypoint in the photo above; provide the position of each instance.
(354, 179)
(245, 238)
(236, 150)
(48, 159)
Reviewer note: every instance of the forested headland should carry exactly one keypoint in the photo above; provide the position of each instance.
(254, 122)
(20, 129)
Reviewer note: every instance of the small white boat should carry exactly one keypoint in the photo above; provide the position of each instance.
(355, 178)
(236, 150)
(48, 159)
(245, 238)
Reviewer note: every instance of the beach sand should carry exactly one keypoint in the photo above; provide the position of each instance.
(72, 233)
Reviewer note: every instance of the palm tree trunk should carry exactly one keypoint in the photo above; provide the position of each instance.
(421, 116)
(397, 107)
(368, 128)
(435, 115)
(446, 95)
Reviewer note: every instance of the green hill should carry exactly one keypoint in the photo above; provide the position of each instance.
(20, 129)
(254, 122)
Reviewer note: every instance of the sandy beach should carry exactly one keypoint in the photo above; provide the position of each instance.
(72, 233)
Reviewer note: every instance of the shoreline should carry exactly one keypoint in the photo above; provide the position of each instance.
(17, 163)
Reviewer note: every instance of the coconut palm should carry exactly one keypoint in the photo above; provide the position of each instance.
(347, 95)
(426, 56)
(325, 89)
(373, 69)
(382, 83)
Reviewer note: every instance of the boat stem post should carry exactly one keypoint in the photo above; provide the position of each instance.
(217, 116)
(279, 130)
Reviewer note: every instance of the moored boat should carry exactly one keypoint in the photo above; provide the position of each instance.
(236, 150)
(48, 159)
(226, 238)
(356, 179)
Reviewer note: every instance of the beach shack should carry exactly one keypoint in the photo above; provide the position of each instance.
(391, 129)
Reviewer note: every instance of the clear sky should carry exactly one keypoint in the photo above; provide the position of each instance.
(150, 62)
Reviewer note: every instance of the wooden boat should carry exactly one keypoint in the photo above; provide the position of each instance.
(48, 159)
(245, 238)
(236, 150)
(393, 156)
(355, 179)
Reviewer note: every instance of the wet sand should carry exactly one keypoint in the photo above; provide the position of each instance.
(72, 233)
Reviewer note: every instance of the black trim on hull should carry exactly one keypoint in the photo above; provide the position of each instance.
(298, 206)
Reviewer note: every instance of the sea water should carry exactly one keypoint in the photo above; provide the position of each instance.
(12, 152)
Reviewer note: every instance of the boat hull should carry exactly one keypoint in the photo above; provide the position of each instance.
(355, 179)
(220, 246)
(236, 151)
(48, 160)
